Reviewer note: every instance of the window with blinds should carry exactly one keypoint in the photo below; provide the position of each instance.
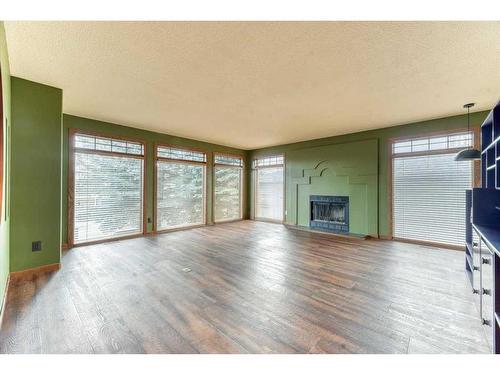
(108, 188)
(429, 191)
(228, 174)
(180, 188)
(268, 174)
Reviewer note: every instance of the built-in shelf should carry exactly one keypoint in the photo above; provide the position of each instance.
(491, 145)
(490, 150)
(486, 222)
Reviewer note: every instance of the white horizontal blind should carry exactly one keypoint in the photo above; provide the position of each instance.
(269, 187)
(107, 196)
(429, 198)
(180, 197)
(269, 197)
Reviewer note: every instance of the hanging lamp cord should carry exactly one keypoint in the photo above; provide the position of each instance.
(468, 119)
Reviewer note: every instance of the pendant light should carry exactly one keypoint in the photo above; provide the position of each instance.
(469, 153)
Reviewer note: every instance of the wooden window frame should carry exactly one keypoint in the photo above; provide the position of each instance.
(254, 183)
(155, 185)
(71, 181)
(242, 181)
(476, 175)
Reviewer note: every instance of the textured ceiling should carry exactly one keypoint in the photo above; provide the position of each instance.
(257, 84)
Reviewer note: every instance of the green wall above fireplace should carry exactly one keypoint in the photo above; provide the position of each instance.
(346, 169)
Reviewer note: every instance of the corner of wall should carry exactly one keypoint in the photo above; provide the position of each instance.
(36, 182)
(4, 212)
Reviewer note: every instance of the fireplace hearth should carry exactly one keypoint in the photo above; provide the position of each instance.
(329, 213)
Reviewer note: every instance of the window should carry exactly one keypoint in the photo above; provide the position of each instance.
(180, 154)
(269, 161)
(228, 175)
(180, 188)
(428, 189)
(268, 177)
(440, 142)
(228, 160)
(108, 178)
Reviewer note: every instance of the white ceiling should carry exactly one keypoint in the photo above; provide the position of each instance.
(257, 84)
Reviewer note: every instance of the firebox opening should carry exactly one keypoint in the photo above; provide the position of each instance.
(329, 213)
(334, 213)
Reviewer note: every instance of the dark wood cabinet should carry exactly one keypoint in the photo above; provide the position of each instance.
(487, 290)
(485, 283)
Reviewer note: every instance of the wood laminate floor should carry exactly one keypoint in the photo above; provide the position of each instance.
(252, 287)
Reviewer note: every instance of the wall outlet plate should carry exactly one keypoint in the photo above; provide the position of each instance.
(36, 246)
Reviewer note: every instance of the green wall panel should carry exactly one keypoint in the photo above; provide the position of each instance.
(4, 220)
(347, 169)
(110, 129)
(383, 137)
(36, 174)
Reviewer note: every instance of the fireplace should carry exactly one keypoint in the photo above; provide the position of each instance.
(329, 213)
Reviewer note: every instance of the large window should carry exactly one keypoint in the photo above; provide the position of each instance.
(268, 183)
(107, 182)
(429, 189)
(180, 188)
(228, 175)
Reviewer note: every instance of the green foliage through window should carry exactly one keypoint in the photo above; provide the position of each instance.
(227, 193)
(180, 194)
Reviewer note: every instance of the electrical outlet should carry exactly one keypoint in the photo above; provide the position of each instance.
(36, 246)
(149, 220)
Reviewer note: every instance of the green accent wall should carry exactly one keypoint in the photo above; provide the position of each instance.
(295, 161)
(4, 212)
(346, 169)
(110, 129)
(36, 174)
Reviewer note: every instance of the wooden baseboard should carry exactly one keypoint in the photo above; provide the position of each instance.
(431, 244)
(32, 273)
(381, 237)
(178, 229)
(268, 221)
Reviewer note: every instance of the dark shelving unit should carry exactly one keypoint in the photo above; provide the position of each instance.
(484, 203)
(490, 150)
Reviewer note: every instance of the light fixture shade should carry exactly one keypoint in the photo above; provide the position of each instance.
(468, 154)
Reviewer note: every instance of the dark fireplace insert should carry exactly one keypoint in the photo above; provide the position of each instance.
(329, 213)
